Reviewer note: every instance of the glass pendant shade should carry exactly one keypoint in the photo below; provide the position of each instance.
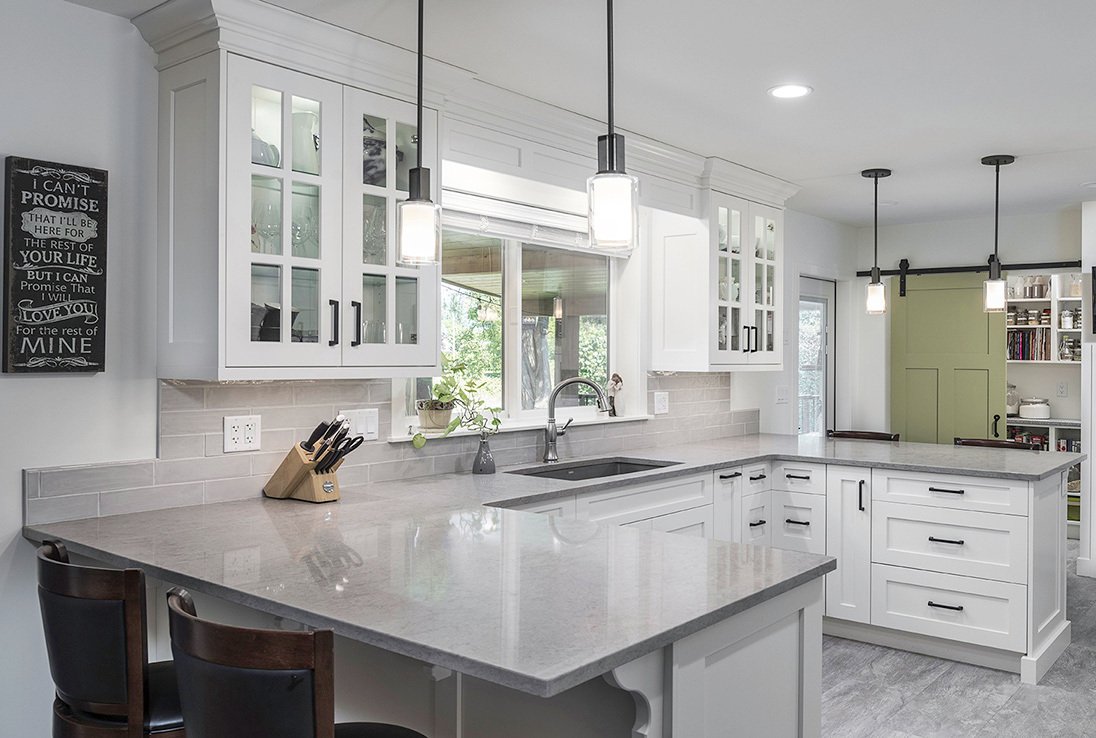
(993, 295)
(876, 298)
(614, 211)
(418, 235)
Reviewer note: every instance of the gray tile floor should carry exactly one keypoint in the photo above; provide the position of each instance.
(875, 691)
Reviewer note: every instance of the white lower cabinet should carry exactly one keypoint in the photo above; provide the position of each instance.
(799, 521)
(965, 609)
(848, 539)
(633, 503)
(756, 520)
(563, 507)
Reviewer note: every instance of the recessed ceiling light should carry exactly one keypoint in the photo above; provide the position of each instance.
(790, 91)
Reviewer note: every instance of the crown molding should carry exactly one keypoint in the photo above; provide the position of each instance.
(179, 30)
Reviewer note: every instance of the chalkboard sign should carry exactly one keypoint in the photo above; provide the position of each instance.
(55, 266)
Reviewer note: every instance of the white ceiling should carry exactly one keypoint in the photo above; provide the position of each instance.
(925, 88)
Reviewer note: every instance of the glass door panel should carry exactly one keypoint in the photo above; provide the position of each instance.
(282, 233)
(399, 305)
(729, 274)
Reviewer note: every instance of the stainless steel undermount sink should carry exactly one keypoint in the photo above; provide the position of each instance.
(593, 468)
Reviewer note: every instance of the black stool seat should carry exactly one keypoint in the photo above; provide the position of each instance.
(374, 730)
(164, 713)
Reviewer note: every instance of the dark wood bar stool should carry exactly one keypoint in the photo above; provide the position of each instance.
(249, 682)
(94, 622)
(996, 443)
(862, 435)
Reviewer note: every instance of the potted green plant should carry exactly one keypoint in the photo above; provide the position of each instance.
(461, 393)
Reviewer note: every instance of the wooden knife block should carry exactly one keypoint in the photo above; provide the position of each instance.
(296, 478)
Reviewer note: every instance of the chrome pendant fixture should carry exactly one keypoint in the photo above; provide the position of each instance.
(417, 217)
(876, 298)
(995, 289)
(613, 194)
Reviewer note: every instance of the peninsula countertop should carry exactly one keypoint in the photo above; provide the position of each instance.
(433, 569)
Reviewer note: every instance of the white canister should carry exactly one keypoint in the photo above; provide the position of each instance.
(1035, 408)
(1067, 319)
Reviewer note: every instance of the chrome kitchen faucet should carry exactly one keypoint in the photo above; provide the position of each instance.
(550, 432)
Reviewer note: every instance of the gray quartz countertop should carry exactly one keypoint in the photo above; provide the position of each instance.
(529, 602)
(434, 569)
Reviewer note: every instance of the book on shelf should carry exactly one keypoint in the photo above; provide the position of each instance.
(1031, 345)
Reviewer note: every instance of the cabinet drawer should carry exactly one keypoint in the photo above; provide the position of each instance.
(949, 490)
(756, 519)
(964, 609)
(631, 503)
(799, 521)
(974, 544)
(756, 477)
(796, 477)
(555, 507)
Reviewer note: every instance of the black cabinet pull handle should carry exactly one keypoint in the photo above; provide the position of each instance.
(956, 608)
(758, 478)
(996, 420)
(357, 323)
(949, 491)
(745, 339)
(759, 522)
(959, 542)
(334, 322)
(860, 494)
(804, 477)
(734, 475)
(797, 522)
(756, 339)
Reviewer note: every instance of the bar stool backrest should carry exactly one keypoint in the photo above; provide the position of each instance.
(249, 681)
(862, 435)
(94, 623)
(997, 443)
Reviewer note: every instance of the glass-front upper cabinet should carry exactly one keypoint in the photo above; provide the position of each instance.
(766, 243)
(731, 333)
(283, 217)
(393, 309)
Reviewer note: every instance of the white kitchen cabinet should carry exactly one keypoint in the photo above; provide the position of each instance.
(561, 507)
(799, 521)
(267, 238)
(717, 287)
(797, 476)
(848, 539)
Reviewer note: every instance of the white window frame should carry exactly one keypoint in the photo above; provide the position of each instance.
(625, 326)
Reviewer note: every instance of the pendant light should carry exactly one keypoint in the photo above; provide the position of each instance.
(418, 233)
(876, 298)
(613, 194)
(993, 294)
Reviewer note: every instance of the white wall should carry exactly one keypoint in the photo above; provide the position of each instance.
(1036, 237)
(814, 247)
(79, 87)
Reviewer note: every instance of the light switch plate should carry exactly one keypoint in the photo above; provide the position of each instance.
(364, 422)
(662, 403)
(243, 433)
(782, 392)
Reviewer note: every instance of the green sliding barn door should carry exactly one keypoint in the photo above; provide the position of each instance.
(947, 360)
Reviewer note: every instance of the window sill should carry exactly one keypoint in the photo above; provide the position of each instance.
(523, 425)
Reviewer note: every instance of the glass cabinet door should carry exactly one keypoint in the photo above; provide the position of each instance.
(730, 327)
(766, 246)
(393, 318)
(283, 217)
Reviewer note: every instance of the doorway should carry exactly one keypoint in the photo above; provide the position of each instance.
(817, 302)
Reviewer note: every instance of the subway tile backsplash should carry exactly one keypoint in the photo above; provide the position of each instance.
(192, 468)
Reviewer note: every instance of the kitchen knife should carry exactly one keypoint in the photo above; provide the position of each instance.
(329, 440)
(341, 450)
(317, 434)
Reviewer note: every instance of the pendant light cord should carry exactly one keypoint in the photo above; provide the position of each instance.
(418, 122)
(996, 207)
(877, 221)
(611, 159)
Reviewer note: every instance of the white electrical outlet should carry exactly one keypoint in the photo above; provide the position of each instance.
(662, 403)
(364, 422)
(243, 433)
(1063, 389)
(782, 393)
